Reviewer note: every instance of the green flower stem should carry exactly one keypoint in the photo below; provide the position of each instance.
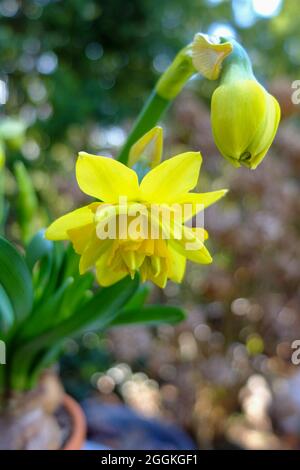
(167, 88)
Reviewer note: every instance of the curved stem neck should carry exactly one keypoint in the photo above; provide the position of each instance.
(237, 65)
(167, 88)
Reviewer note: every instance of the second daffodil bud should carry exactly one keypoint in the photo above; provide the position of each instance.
(244, 115)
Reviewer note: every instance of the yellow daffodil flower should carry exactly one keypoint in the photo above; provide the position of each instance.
(156, 258)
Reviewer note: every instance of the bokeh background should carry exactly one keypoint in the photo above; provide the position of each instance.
(73, 76)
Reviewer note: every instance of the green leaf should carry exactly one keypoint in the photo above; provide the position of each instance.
(37, 248)
(47, 278)
(96, 313)
(27, 202)
(44, 360)
(41, 277)
(76, 294)
(2, 196)
(139, 298)
(149, 315)
(71, 262)
(6, 312)
(15, 279)
(46, 315)
(58, 256)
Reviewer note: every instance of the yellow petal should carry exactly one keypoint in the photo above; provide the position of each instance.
(147, 273)
(200, 233)
(106, 276)
(160, 280)
(191, 247)
(105, 178)
(93, 250)
(80, 237)
(156, 265)
(172, 178)
(160, 248)
(265, 137)
(148, 149)
(208, 54)
(200, 256)
(115, 261)
(132, 259)
(148, 246)
(195, 202)
(177, 265)
(58, 230)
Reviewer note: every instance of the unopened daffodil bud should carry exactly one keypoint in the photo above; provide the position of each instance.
(147, 151)
(244, 115)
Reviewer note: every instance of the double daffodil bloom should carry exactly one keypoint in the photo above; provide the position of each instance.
(157, 259)
(244, 116)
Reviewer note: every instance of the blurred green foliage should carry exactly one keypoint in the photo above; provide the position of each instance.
(44, 300)
(75, 63)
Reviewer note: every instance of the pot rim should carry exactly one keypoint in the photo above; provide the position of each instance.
(79, 427)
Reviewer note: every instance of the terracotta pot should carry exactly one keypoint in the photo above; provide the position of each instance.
(77, 438)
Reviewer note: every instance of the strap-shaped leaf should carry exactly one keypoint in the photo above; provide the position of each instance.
(27, 202)
(46, 315)
(15, 279)
(149, 315)
(57, 255)
(47, 276)
(76, 295)
(37, 248)
(6, 313)
(139, 298)
(2, 183)
(96, 314)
